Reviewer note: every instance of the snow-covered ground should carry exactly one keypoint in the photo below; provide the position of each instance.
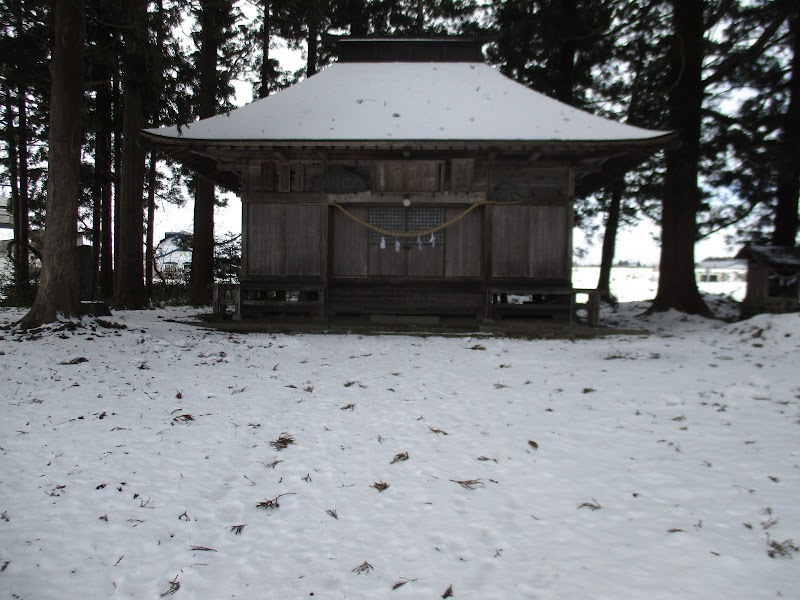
(145, 462)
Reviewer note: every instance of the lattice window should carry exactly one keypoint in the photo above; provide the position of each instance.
(407, 220)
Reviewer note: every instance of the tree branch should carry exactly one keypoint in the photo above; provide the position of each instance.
(733, 61)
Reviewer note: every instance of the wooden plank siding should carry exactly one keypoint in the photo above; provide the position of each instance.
(349, 245)
(284, 240)
(528, 241)
(293, 242)
(464, 244)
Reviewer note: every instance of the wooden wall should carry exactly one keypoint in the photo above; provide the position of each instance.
(528, 239)
(529, 242)
(284, 239)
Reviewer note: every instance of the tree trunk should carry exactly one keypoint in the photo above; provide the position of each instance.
(58, 287)
(266, 71)
(610, 242)
(313, 32)
(117, 162)
(203, 250)
(129, 291)
(786, 219)
(102, 171)
(677, 287)
(565, 82)
(359, 18)
(13, 176)
(152, 177)
(21, 222)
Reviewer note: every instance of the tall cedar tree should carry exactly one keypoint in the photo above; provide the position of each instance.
(215, 17)
(788, 164)
(677, 287)
(553, 46)
(58, 288)
(24, 56)
(129, 290)
(631, 85)
(103, 61)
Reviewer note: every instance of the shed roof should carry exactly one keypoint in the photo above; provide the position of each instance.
(786, 258)
(407, 101)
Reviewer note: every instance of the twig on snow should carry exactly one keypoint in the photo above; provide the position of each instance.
(174, 586)
(273, 504)
(283, 441)
(364, 567)
(469, 484)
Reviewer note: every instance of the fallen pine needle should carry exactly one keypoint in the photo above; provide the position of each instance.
(380, 485)
(469, 484)
(283, 441)
(399, 456)
(174, 586)
(364, 567)
(273, 503)
(401, 583)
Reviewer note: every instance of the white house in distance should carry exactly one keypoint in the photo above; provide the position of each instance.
(173, 257)
(6, 218)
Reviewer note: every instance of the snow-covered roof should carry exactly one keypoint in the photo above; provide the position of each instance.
(775, 256)
(396, 101)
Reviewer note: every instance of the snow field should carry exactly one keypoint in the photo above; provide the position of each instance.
(663, 466)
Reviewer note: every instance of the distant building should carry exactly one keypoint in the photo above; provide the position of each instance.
(6, 218)
(173, 257)
(721, 270)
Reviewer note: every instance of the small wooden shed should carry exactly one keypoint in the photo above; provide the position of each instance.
(773, 279)
(408, 178)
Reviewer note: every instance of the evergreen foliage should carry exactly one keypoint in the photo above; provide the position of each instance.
(625, 59)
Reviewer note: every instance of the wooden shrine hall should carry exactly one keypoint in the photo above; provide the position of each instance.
(408, 179)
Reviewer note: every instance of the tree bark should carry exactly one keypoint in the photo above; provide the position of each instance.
(13, 176)
(21, 223)
(102, 166)
(610, 242)
(677, 287)
(129, 291)
(116, 91)
(786, 219)
(359, 18)
(266, 37)
(565, 83)
(21, 207)
(152, 176)
(149, 259)
(313, 32)
(202, 276)
(58, 287)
